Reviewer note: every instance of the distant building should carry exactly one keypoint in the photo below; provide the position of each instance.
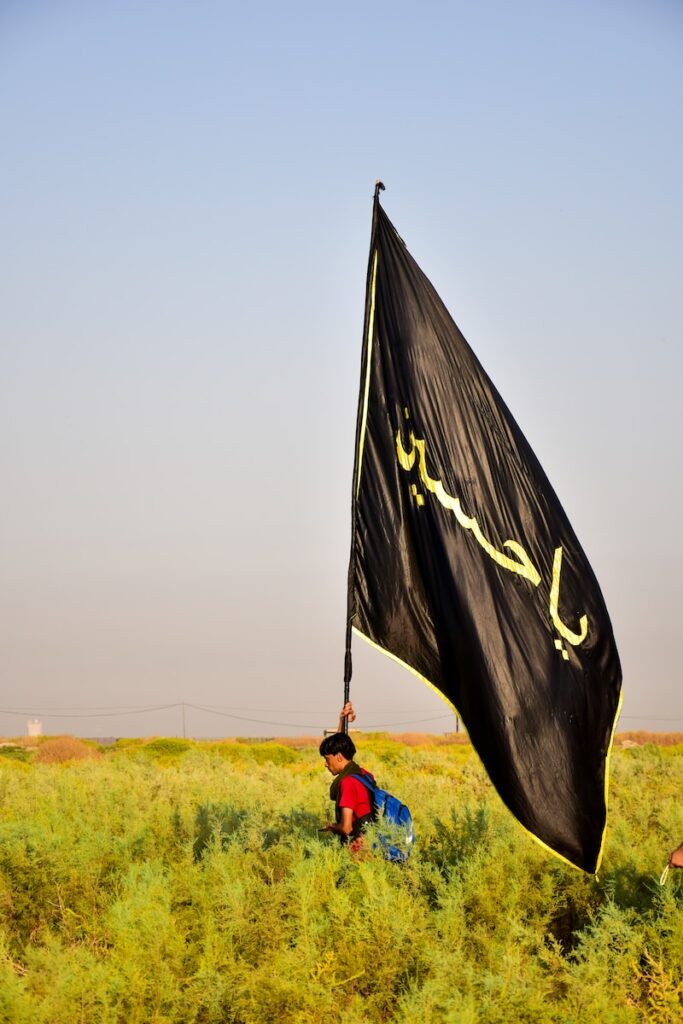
(35, 727)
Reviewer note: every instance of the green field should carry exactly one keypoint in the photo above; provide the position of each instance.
(186, 882)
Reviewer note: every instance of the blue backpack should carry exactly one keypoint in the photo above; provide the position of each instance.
(398, 842)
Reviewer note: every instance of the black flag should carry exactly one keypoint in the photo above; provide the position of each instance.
(464, 566)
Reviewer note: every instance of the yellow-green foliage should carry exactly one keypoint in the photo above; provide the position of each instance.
(15, 752)
(183, 883)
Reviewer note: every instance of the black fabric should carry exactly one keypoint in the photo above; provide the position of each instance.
(538, 698)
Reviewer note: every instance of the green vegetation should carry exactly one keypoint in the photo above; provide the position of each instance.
(176, 882)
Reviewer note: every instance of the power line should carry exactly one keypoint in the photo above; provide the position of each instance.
(652, 718)
(87, 707)
(206, 708)
(213, 707)
(310, 711)
(256, 721)
(224, 711)
(309, 725)
(72, 714)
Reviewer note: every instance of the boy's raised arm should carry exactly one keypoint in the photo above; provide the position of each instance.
(346, 712)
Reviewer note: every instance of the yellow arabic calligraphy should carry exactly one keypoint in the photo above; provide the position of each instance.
(564, 631)
(520, 564)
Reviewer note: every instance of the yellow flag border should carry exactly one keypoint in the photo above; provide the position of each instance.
(451, 705)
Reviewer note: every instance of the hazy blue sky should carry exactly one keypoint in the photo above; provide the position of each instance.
(186, 200)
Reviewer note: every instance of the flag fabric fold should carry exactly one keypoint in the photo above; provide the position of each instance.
(464, 566)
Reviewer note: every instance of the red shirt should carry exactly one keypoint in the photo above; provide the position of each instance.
(355, 795)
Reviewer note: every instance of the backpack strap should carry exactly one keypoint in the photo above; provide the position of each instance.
(367, 782)
(367, 818)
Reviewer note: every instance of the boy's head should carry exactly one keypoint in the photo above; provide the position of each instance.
(337, 750)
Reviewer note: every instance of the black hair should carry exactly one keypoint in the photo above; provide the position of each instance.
(338, 743)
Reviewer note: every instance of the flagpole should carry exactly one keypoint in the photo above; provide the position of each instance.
(350, 596)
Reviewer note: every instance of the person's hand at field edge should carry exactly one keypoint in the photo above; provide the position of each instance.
(676, 857)
(345, 826)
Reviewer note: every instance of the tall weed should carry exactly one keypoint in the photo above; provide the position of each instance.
(187, 885)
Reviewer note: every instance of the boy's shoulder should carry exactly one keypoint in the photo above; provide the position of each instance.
(353, 784)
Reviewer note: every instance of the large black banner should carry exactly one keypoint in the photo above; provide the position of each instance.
(465, 568)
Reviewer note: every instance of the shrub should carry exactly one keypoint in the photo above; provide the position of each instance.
(272, 753)
(215, 822)
(167, 747)
(202, 893)
(261, 752)
(59, 749)
(15, 753)
(638, 738)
